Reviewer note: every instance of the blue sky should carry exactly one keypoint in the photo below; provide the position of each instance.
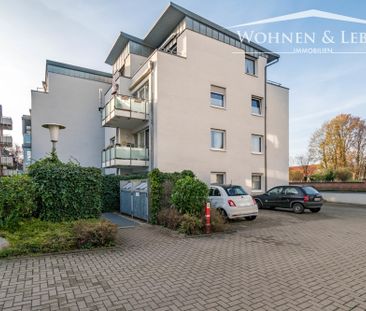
(82, 32)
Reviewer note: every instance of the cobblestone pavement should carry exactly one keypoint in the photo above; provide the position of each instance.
(281, 261)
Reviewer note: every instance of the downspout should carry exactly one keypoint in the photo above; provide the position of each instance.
(265, 125)
(151, 116)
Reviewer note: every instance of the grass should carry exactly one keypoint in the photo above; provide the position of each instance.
(35, 236)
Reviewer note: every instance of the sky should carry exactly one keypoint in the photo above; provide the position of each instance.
(82, 32)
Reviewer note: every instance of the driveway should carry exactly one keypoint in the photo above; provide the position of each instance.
(281, 261)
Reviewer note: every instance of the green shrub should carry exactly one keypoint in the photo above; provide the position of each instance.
(170, 218)
(36, 236)
(190, 224)
(296, 176)
(218, 222)
(343, 174)
(329, 175)
(90, 234)
(161, 186)
(66, 191)
(17, 200)
(190, 195)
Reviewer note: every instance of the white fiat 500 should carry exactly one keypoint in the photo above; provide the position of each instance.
(233, 202)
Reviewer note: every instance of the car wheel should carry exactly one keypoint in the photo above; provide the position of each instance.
(250, 218)
(298, 208)
(315, 210)
(224, 214)
(259, 203)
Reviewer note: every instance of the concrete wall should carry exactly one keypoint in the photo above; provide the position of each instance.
(183, 116)
(345, 197)
(72, 102)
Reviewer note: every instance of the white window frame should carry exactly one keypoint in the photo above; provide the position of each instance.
(220, 91)
(261, 137)
(261, 183)
(260, 106)
(216, 174)
(224, 139)
(254, 60)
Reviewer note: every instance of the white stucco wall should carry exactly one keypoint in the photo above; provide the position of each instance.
(345, 197)
(74, 103)
(183, 116)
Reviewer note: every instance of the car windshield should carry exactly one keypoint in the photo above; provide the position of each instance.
(310, 190)
(235, 190)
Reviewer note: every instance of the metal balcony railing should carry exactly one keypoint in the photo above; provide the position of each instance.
(6, 123)
(7, 161)
(6, 140)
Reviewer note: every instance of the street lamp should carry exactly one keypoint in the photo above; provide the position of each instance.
(54, 129)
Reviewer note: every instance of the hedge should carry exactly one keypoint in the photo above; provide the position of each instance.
(17, 200)
(66, 191)
(161, 185)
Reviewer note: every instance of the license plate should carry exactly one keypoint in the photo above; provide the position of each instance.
(316, 199)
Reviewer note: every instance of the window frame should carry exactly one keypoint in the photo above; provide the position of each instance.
(216, 174)
(254, 60)
(260, 182)
(259, 99)
(261, 137)
(223, 142)
(223, 100)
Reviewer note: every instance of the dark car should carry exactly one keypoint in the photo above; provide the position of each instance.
(298, 198)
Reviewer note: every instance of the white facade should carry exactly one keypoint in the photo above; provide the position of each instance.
(189, 95)
(73, 102)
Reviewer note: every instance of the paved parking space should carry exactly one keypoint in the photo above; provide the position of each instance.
(281, 261)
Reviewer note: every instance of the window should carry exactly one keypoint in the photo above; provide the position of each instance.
(217, 139)
(256, 182)
(217, 96)
(235, 191)
(275, 191)
(217, 178)
(256, 106)
(291, 191)
(257, 143)
(250, 66)
(214, 192)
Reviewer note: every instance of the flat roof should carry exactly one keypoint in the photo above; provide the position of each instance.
(163, 27)
(77, 68)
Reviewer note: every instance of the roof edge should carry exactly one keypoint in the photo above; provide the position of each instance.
(78, 68)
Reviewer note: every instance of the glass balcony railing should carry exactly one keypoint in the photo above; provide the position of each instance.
(125, 106)
(27, 138)
(6, 140)
(7, 172)
(128, 155)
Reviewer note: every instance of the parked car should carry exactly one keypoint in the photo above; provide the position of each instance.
(233, 202)
(298, 198)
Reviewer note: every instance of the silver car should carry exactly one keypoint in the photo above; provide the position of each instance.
(233, 202)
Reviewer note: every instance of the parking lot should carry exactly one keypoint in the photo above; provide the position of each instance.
(281, 261)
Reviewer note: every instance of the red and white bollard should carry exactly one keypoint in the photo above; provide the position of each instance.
(208, 217)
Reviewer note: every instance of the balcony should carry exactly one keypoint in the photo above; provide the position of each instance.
(6, 141)
(6, 161)
(6, 123)
(125, 112)
(7, 172)
(27, 140)
(123, 156)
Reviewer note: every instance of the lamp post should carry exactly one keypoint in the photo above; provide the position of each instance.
(54, 129)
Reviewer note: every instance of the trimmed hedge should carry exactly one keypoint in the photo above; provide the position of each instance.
(66, 191)
(17, 200)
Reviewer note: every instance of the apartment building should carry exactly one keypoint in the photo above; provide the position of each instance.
(6, 143)
(27, 141)
(189, 95)
(70, 95)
